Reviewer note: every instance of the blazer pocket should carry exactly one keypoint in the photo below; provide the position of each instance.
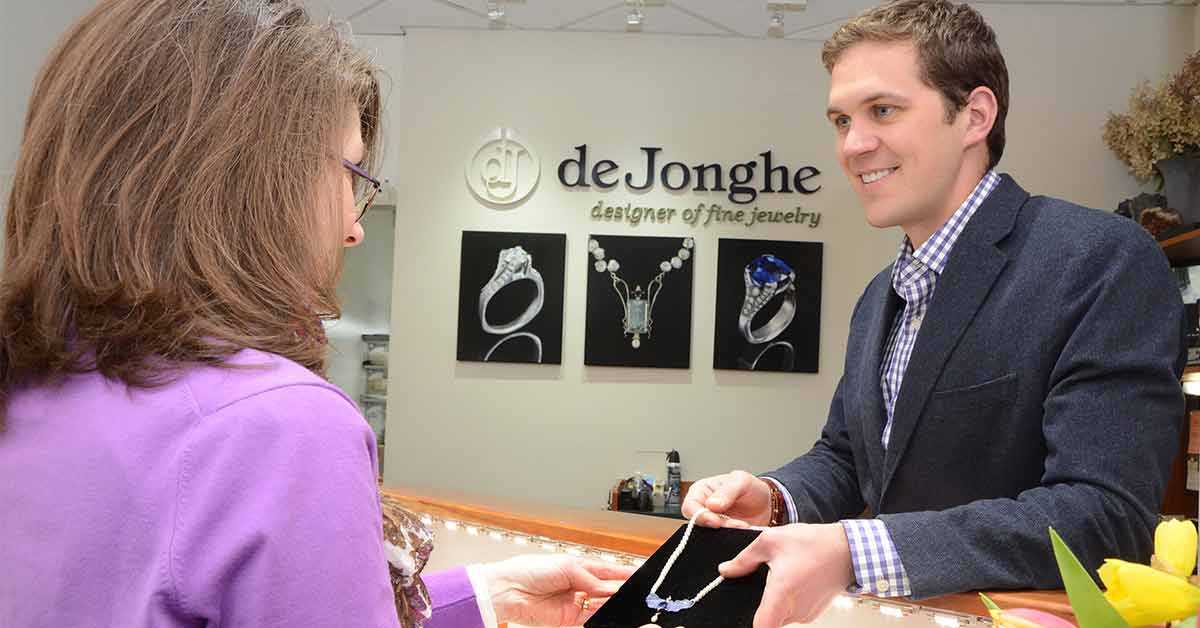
(994, 393)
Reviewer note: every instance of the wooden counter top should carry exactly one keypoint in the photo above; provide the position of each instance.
(640, 535)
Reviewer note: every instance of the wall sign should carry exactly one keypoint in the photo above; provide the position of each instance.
(504, 170)
(676, 176)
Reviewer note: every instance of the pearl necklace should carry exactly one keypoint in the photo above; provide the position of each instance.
(638, 305)
(669, 605)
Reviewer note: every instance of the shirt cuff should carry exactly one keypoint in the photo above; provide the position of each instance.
(792, 517)
(482, 596)
(877, 567)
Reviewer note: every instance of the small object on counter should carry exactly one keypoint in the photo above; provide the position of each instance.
(673, 499)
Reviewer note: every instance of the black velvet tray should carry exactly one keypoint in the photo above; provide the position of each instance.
(731, 604)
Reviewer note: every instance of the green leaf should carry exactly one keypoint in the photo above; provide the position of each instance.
(989, 603)
(1190, 622)
(1092, 609)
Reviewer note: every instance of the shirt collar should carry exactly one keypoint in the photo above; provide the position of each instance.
(936, 250)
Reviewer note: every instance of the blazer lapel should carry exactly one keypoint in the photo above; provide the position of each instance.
(870, 393)
(974, 264)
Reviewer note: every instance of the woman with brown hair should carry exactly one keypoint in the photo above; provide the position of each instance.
(170, 454)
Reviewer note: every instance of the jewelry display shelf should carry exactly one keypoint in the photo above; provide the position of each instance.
(1182, 249)
(373, 400)
(609, 531)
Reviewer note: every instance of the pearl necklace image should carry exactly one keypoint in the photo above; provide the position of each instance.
(673, 606)
(638, 305)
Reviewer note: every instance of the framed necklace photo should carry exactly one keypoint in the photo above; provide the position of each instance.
(639, 301)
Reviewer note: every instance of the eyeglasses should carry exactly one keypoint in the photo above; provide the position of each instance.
(364, 198)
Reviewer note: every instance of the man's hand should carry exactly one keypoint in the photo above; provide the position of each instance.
(810, 565)
(543, 590)
(739, 500)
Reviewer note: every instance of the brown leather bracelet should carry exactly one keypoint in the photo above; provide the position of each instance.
(778, 510)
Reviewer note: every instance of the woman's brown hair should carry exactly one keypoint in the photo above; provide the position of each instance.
(173, 201)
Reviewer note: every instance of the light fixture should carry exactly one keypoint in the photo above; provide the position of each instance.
(633, 21)
(495, 14)
(949, 621)
(777, 8)
(1191, 383)
(775, 29)
(896, 612)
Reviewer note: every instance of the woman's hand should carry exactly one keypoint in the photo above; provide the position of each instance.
(546, 590)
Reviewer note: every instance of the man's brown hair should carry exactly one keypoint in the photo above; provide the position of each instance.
(956, 52)
(174, 199)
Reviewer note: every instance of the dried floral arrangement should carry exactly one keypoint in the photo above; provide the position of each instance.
(1162, 122)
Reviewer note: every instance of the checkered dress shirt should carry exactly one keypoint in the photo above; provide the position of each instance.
(877, 567)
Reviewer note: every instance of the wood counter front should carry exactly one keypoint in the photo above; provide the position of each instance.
(640, 535)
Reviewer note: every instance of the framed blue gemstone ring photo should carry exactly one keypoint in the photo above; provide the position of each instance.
(768, 314)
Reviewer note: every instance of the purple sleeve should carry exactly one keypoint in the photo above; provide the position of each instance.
(278, 521)
(454, 604)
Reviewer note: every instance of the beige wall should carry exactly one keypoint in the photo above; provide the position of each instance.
(565, 433)
(27, 32)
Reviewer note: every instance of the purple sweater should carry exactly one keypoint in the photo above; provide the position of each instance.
(229, 498)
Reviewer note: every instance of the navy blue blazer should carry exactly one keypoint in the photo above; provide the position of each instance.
(1043, 390)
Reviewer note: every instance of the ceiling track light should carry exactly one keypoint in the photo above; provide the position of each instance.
(775, 27)
(634, 19)
(497, 18)
(495, 14)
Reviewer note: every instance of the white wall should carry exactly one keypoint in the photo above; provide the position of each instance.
(28, 30)
(565, 433)
(366, 297)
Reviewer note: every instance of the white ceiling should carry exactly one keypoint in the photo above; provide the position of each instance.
(728, 18)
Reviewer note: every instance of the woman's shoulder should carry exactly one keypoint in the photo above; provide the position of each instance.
(250, 377)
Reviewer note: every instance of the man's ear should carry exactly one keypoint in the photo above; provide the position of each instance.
(980, 110)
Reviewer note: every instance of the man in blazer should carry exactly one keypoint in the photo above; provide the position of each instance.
(1016, 368)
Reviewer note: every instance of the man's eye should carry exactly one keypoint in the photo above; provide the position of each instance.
(883, 111)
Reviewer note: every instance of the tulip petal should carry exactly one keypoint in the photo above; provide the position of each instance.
(1008, 619)
(1143, 595)
(1040, 618)
(1175, 546)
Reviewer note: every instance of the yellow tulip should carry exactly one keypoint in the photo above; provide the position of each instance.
(1143, 595)
(1175, 546)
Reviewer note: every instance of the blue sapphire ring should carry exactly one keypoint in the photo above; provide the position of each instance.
(767, 277)
(513, 264)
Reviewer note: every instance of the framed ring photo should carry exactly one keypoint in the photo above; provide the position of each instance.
(510, 297)
(768, 314)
